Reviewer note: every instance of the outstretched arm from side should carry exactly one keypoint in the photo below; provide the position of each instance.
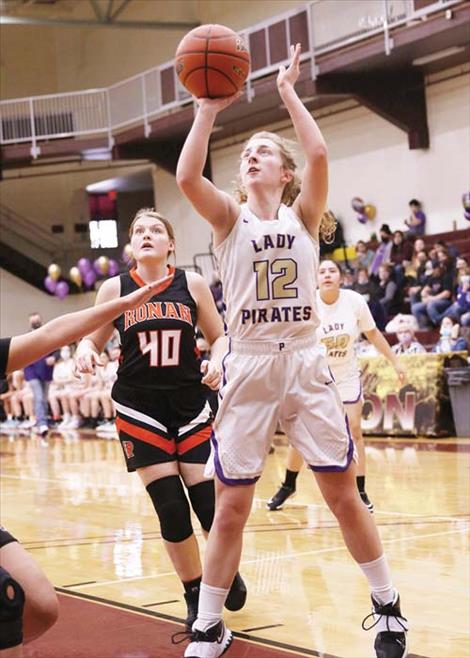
(217, 207)
(378, 341)
(312, 200)
(65, 329)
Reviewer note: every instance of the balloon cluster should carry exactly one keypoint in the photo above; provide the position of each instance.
(365, 211)
(84, 274)
(466, 205)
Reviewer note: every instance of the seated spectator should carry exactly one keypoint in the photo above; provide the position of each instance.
(369, 290)
(407, 343)
(461, 307)
(398, 320)
(364, 256)
(449, 338)
(22, 401)
(107, 376)
(400, 256)
(440, 245)
(348, 279)
(62, 377)
(429, 304)
(416, 222)
(389, 293)
(419, 269)
(382, 253)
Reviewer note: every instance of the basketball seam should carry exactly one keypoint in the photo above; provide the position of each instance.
(205, 62)
(210, 68)
(213, 52)
(221, 36)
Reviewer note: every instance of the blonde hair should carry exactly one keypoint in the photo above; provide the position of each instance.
(292, 188)
(151, 212)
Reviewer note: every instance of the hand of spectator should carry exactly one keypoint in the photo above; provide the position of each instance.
(50, 360)
(85, 361)
(212, 375)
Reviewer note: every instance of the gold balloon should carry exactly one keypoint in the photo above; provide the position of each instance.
(128, 251)
(370, 211)
(103, 264)
(75, 276)
(54, 271)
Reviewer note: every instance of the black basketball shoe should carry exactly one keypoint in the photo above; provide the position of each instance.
(366, 501)
(391, 627)
(280, 497)
(192, 602)
(236, 597)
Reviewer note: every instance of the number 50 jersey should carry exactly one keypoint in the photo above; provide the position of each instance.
(158, 343)
(268, 270)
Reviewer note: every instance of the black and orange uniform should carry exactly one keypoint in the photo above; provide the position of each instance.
(161, 405)
(5, 537)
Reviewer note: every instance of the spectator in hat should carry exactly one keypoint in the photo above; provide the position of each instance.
(407, 343)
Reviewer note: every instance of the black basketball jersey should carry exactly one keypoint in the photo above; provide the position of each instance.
(4, 350)
(158, 339)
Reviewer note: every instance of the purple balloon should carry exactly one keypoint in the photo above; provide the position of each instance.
(89, 279)
(62, 289)
(113, 267)
(467, 215)
(50, 285)
(84, 265)
(362, 219)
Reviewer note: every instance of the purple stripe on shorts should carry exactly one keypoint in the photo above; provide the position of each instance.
(224, 378)
(357, 399)
(219, 471)
(338, 469)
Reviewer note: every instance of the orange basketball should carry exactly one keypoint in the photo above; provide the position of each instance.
(212, 61)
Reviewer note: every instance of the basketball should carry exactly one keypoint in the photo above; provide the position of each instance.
(212, 61)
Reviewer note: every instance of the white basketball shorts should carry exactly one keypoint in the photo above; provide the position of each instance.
(350, 389)
(267, 382)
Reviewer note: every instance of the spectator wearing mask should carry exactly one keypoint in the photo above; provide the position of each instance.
(416, 222)
(435, 298)
(364, 255)
(460, 309)
(449, 338)
(382, 254)
(407, 343)
(39, 376)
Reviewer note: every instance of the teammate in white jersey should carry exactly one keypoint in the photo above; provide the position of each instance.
(344, 315)
(275, 369)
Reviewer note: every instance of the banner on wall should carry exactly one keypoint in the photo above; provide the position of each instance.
(419, 408)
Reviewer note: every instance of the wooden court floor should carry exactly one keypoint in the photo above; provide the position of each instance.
(90, 526)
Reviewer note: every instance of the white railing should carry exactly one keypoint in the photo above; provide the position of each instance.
(321, 26)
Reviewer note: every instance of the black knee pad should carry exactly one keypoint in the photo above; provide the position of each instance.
(11, 611)
(202, 497)
(171, 505)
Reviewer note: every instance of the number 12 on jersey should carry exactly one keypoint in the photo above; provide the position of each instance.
(274, 279)
(163, 346)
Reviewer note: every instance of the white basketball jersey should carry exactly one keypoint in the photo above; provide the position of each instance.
(268, 270)
(340, 325)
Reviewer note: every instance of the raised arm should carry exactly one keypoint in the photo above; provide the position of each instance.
(216, 206)
(312, 200)
(65, 329)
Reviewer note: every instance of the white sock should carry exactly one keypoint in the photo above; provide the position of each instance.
(211, 603)
(380, 581)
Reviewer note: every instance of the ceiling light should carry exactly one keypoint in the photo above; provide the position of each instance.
(426, 59)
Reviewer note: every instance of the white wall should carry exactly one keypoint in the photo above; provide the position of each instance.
(370, 158)
(18, 299)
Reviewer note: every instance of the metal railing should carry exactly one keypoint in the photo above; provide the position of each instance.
(321, 26)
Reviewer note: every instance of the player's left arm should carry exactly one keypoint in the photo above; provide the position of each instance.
(378, 341)
(311, 202)
(212, 327)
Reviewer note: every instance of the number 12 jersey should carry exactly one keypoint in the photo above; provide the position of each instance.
(268, 270)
